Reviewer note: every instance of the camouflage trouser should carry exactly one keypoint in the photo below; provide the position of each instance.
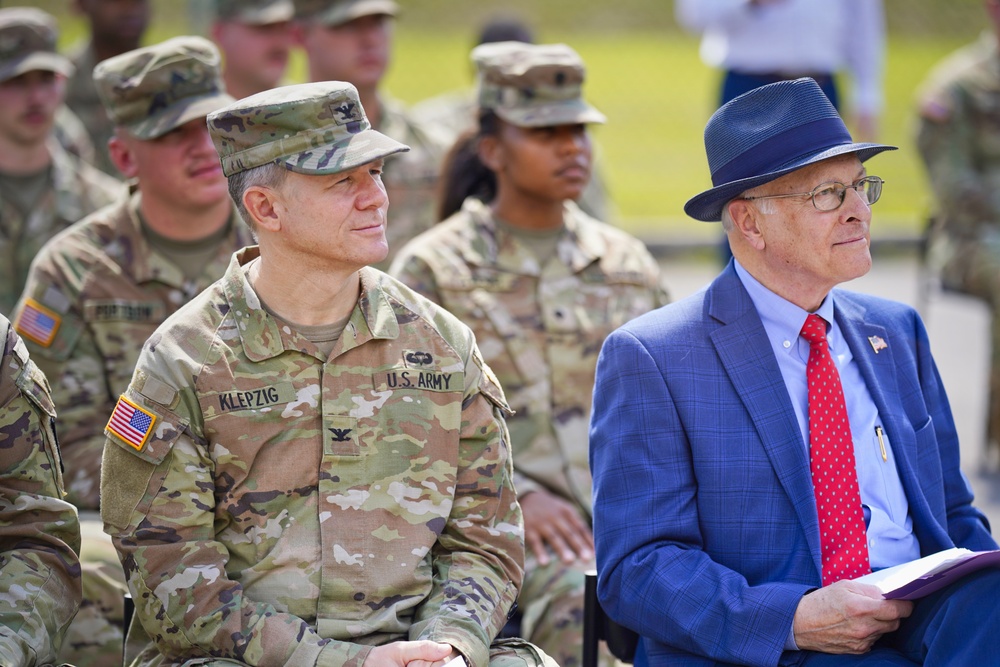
(974, 268)
(551, 604)
(511, 652)
(95, 637)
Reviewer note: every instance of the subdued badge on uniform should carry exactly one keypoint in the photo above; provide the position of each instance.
(37, 323)
(131, 423)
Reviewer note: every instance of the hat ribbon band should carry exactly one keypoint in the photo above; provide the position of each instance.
(782, 149)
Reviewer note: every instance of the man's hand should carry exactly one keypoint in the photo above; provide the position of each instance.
(846, 617)
(550, 520)
(438, 663)
(404, 654)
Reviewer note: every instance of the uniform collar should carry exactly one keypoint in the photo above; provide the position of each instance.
(264, 336)
(147, 265)
(491, 246)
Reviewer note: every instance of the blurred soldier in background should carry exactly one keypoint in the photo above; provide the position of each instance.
(455, 112)
(39, 531)
(310, 466)
(959, 140)
(541, 284)
(43, 189)
(97, 291)
(255, 38)
(116, 26)
(350, 40)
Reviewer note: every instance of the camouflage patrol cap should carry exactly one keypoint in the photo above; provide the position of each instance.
(532, 85)
(28, 43)
(152, 90)
(338, 12)
(255, 12)
(310, 128)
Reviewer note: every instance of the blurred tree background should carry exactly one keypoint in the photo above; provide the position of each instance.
(645, 75)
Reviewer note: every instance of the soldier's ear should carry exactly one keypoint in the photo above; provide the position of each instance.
(122, 156)
(261, 204)
(490, 152)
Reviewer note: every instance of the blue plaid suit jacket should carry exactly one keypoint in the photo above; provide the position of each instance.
(704, 514)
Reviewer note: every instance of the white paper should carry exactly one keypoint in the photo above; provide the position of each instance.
(892, 578)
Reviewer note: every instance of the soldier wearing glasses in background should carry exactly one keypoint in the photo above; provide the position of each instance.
(758, 446)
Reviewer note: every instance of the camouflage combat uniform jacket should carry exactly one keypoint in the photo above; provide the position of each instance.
(107, 290)
(959, 141)
(77, 190)
(39, 532)
(540, 328)
(288, 509)
(410, 178)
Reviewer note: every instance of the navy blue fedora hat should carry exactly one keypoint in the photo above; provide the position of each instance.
(767, 133)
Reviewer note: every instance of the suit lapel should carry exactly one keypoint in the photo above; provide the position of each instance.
(747, 358)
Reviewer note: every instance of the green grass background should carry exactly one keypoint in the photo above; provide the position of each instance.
(645, 75)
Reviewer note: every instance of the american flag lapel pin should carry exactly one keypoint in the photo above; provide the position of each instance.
(877, 343)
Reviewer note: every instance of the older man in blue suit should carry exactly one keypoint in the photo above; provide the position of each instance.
(759, 445)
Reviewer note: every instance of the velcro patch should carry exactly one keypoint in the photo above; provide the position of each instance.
(37, 323)
(131, 423)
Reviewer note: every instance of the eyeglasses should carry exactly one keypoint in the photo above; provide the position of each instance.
(830, 196)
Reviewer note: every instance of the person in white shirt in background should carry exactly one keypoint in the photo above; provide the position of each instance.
(757, 42)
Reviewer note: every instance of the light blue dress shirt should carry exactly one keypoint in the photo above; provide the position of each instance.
(890, 529)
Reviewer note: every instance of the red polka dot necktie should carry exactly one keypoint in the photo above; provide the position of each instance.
(831, 459)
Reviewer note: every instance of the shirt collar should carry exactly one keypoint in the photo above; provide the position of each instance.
(777, 313)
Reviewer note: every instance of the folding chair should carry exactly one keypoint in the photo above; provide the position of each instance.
(621, 641)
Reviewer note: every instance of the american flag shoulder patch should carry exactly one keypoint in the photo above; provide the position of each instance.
(37, 323)
(131, 423)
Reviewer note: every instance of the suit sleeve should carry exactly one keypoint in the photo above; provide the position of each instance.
(655, 574)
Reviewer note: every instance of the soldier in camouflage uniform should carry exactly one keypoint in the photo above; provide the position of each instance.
(455, 112)
(349, 40)
(116, 26)
(541, 284)
(311, 466)
(255, 38)
(39, 531)
(43, 189)
(959, 141)
(98, 290)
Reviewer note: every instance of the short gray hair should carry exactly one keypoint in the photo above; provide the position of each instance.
(270, 175)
